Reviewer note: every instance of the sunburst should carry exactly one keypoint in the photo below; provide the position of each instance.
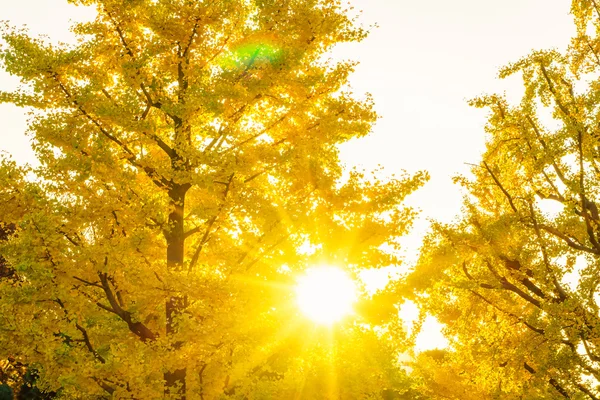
(325, 294)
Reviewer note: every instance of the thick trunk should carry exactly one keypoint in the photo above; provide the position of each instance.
(175, 380)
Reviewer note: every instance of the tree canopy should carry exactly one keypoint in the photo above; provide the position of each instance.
(188, 154)
(515, 280)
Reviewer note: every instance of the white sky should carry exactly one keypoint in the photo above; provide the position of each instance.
(421, 64)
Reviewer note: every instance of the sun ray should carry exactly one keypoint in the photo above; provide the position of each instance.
(332, 381)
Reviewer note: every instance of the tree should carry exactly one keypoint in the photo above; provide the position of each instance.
(516, 284)
(188, 150)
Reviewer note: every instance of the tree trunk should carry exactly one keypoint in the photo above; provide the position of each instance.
(175, 380)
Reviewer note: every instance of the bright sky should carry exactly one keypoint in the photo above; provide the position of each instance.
(421, 64)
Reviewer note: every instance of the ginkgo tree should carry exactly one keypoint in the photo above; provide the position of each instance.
(516, 279)
(188, 153)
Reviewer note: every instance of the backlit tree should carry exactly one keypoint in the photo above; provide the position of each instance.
(189, 157)
(517, 284)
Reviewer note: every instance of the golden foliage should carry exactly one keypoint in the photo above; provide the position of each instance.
(516, 283)
(188, 149)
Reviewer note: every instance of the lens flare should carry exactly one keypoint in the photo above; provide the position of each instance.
(251, 54)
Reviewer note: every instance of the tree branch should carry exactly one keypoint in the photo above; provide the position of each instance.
(211, 222)
(86, 338)
(138, 328)
(568, 240)
(553, 382)
(507, 285)
(506, 194)
(130, 156)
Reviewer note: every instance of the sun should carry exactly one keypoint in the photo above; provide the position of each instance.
(325, 294)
